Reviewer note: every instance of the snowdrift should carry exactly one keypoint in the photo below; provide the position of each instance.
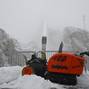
(10, 77)
(8, 74)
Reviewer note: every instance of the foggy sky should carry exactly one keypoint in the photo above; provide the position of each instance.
(23, 19)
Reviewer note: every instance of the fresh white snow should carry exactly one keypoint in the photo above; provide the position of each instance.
(10, 77)
(8, 74)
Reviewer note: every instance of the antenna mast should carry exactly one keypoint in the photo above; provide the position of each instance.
(84, 22)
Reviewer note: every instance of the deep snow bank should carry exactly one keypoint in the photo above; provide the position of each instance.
(8, 74)
(11, 78)
(31, 82)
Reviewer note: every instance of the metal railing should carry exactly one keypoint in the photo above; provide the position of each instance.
(27, 55)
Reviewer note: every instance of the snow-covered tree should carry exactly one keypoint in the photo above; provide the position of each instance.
(8, 52)
(76, 40)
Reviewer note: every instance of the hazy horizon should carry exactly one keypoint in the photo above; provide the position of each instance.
(23, 19)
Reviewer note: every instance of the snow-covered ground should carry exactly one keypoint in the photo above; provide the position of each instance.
(10, 78)
(8, 74)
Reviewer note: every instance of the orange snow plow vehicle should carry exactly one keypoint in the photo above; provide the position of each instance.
(66, 63)
(62, 67)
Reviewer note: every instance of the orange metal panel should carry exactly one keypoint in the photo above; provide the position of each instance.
(66, 63)
(27, 70)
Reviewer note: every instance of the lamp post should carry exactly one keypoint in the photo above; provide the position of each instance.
(44, 42)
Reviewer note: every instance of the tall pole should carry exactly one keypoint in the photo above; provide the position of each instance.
(84, 27)
(44, 37)
(44, 41)
(84, 22)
